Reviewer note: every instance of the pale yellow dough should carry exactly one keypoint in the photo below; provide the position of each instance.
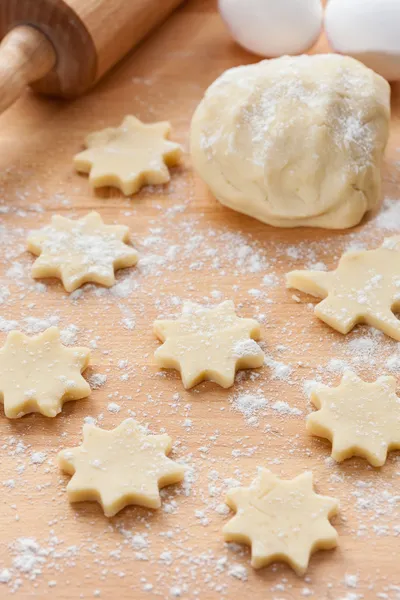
(120, 467)
(359, 418)
(208, 344)
(81, 251)
(39, 374)
(365, 288)
(130, 156)
(281, 520)
(294, 141)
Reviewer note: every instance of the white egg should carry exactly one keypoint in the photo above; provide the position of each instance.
(273, 27)
(368, 30)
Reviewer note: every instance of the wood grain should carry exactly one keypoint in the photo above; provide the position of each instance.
(76, 66)
(26, 56)
(116, 27)
(217, 254)
(88, 36)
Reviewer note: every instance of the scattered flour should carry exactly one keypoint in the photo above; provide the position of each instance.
(69, 335)
(249, 405)
(183, 568)
(247, 347)
(270, 280)
(97, 380)
(239, 572)
(30, 325)
(29, 557)
(283, 408)
(363, 346)
(351, 580)
(308, 386)
(393, 363)
(389, 217)
(38, 458)
(280, 370)
(5, 576)
(336, 365)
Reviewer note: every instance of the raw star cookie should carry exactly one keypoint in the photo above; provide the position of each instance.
(130, 156)
(39, 374)
(281, 520)
(365, 288)
(359, 418)
(81, 251)
(208, 344)
(120, 467)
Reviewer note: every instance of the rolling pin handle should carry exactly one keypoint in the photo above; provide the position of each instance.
(26, 55)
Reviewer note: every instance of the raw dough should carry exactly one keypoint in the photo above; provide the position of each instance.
(81, 251)
(281, 520)
(359, 418)
(208, 344)
(39, 374)
(120, 467)
(295, 141)
(367, 30)
(365, 288)
(272, 28)
(130, 156)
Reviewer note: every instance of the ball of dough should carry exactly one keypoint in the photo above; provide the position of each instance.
(368, 30)
(295, 140)
(273, 27)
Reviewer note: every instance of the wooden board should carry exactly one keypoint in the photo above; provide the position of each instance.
(74, 551)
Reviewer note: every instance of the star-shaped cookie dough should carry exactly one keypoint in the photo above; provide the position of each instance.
(81, 251)
(120, 467)
(130, 156)
(208, 344)
(39, 374)
(359, 418)
(281, 520)
(365, 288)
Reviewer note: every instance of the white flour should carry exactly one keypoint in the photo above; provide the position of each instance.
(222, 435)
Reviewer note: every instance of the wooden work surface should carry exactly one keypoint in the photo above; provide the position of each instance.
(75, 552)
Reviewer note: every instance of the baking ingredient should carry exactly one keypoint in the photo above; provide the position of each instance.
(39, 374)
(367, 30)
(359, 418)
(281, 520)
(272, 28)
(120, 467)
(78, 251)
(208, 344)
(294, 141)
(129, 156)
(363, 289)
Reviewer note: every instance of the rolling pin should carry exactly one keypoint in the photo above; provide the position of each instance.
(63, 47)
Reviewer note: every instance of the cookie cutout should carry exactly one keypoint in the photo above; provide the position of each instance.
(81, 251)
(281, 520)
(39, 374)
(208, 344)
(130, 156)
(359, 418)
(365, 288)
(120, 467)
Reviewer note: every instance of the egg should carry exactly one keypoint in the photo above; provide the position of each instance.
(273, 27)
(368, 30)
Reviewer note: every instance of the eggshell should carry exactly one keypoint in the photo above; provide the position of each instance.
(273, 27)
(368, 30)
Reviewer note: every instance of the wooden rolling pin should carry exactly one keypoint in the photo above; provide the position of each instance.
(63, 47)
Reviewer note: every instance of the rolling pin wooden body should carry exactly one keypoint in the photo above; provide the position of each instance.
(63, 47)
